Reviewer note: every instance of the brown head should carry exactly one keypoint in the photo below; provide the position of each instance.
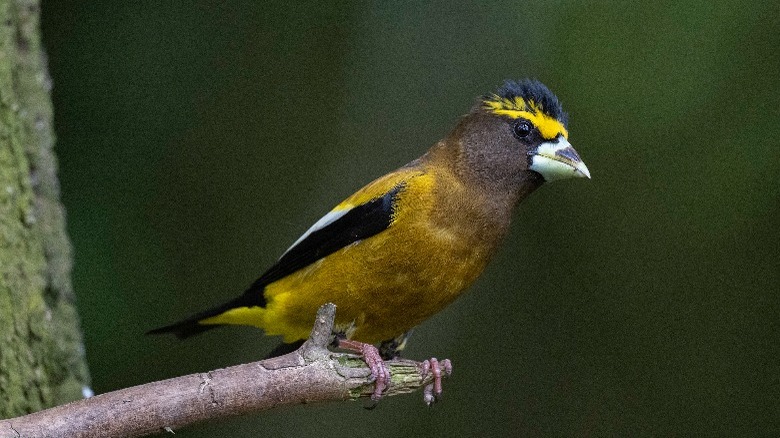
(513, 141)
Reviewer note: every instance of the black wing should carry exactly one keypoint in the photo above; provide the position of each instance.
(359, 223)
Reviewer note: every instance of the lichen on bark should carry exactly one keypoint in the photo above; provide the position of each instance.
(41, 352)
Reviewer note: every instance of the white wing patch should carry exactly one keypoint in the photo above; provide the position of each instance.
(324, 221)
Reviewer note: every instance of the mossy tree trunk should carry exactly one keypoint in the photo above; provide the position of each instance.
(41, 352)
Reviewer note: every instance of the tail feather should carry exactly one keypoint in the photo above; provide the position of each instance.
(184, 329)
(191, 326)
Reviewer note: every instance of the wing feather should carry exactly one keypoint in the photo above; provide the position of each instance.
(337, 229)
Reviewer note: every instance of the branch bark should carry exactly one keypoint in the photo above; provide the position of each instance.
(310, 374)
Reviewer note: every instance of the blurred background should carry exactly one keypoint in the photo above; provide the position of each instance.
(198, 140)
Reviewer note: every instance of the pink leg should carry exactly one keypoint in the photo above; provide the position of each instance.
(434, 390)
(373, 359)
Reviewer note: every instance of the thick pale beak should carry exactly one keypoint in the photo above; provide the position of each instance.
(557, 159)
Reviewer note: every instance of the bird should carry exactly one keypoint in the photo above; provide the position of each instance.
(406, 245)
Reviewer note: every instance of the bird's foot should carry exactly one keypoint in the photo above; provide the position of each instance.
(379, 371)
(432, 391)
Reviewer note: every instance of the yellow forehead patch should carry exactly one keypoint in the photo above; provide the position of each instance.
(517, 108)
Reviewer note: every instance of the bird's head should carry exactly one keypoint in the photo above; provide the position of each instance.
(516, 138)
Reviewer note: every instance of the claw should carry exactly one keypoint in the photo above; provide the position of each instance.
(432, 392)
(379, 371)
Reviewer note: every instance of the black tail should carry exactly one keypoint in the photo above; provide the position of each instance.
(191, 326)
(186, 328)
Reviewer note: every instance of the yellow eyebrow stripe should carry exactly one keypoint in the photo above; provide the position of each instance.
(517, 108)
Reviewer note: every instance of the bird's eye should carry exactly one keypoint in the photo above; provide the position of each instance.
(522, 129)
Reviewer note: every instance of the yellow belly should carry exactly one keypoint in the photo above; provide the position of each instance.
(378, 292)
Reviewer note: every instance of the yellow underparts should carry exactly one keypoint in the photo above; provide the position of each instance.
(388, 283)
(517, 108)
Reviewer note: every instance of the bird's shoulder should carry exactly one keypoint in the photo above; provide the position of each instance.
(367, 212)
(408, 178)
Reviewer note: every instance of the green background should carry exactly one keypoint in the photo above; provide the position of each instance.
(197, 140)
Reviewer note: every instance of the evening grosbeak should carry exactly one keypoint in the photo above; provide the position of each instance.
(407, 244)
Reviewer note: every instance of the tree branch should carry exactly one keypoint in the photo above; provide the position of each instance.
(310, 374)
